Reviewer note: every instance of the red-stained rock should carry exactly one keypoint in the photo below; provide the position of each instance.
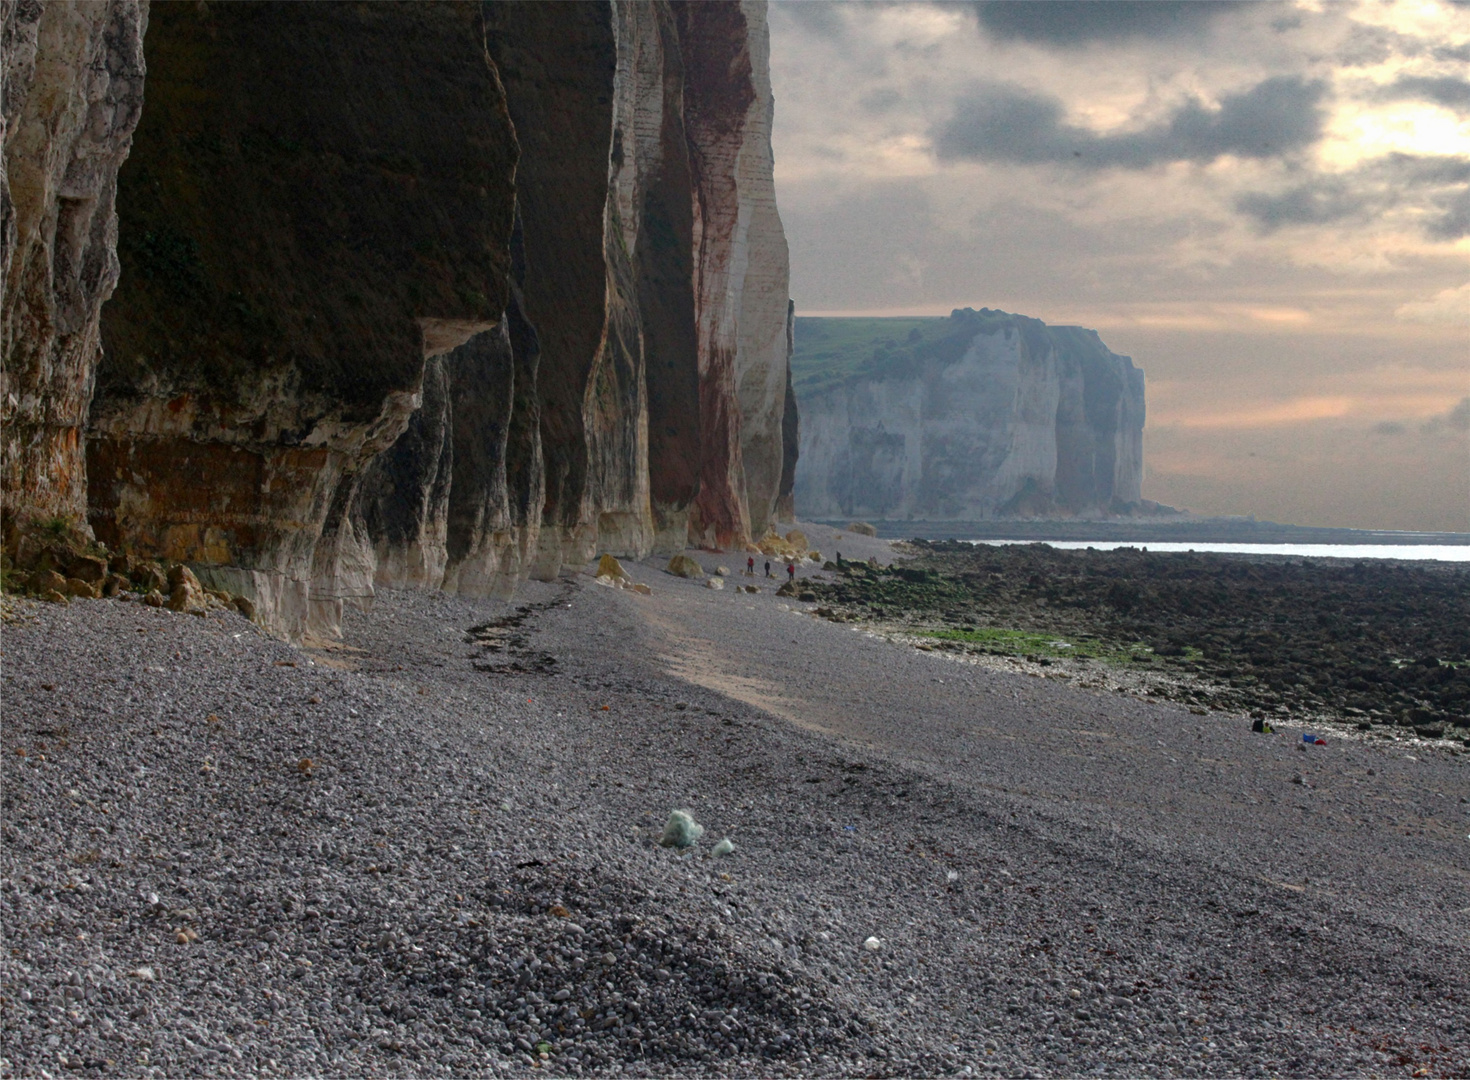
(741, 271)
(718, 95)
(664, 256)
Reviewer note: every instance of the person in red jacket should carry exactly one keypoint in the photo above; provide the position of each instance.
(750, 566)
(790, 572)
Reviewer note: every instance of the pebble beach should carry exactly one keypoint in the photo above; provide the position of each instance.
(434, 849)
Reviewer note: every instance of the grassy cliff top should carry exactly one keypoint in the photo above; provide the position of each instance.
(830, 352)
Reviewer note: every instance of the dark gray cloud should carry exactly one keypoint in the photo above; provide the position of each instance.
(1073, 23)
(1318, 202)
(1368, 191)
(1454, 219)
(880, 100)
(1444, 90)
(1368, 46)
(1457, 419)
(1004, 123)
(1390, 427)
(1424, 171)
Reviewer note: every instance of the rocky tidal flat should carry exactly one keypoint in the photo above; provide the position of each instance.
(1381, 646)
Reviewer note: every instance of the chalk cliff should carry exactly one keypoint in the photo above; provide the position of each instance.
(763, 353)
(989, 415)
(350, 348)
(295, 241)
(73, 91)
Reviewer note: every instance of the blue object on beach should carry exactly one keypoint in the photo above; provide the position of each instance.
(1314, 739)
(849, 828)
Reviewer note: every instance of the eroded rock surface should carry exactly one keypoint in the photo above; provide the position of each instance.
(295, 241)
(719, 94)
(763, 344)
(997, 415)
(73, 92)
(790, 431)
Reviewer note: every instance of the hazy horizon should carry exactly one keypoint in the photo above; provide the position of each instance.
(1265, 205)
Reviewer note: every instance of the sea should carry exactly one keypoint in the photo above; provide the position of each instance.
(1414, 552)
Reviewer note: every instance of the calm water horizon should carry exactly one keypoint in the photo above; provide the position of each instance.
(1415, 552)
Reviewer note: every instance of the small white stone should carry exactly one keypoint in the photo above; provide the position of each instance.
(144, 973)
(873, 944)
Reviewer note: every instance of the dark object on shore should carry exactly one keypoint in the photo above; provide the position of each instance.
(1262, 726)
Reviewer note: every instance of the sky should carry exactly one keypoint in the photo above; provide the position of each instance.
(1265, 204)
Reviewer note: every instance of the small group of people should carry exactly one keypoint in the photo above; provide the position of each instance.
(750, 568)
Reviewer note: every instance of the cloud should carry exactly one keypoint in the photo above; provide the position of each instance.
(1427, 170)
(1457, 419)
(1445, 90)
(1369, 191)
(880, 100)
(817, 17)
(1005, 123)
(1319, 202)
(1073, 23)
(1445, 306)
(1390, 427)
(1455, 221)
(1272, 414)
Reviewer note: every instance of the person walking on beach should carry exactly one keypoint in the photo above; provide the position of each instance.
(768, 568)
(791, 572)
(750, 566)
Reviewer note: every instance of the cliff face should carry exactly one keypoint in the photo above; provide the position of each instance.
(763, 353)
(741, 269)
(295, 241)
(352, 348)
(790, 430)
(73, 92)
(992, 415)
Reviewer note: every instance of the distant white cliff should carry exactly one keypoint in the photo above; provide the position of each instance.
(986, 415)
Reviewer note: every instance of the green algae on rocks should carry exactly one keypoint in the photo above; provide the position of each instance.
(1372, 643)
